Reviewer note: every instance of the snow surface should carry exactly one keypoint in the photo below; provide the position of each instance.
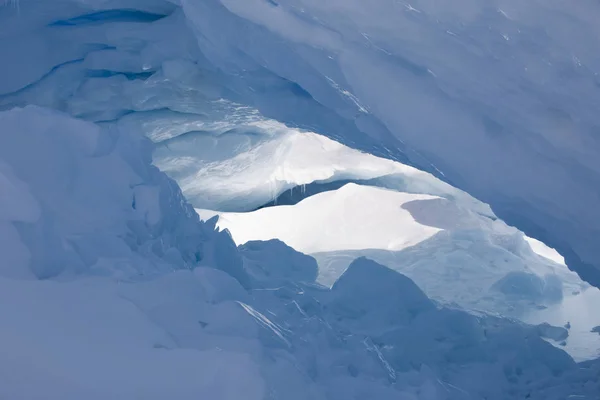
(111, 286)
(456, 255)
(135, 297)
(332, 218)
(452, 89)
(545, 251)
(283, 159)
(88, 339)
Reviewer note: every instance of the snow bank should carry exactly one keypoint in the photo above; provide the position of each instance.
(383, 225)
(214, 173)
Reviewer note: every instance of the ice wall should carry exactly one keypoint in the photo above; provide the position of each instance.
(77, 199)
(110, 287)
(499, 98)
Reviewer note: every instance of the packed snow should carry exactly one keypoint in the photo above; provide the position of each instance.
(332, 218)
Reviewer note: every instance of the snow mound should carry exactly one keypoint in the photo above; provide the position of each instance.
(262, 261)
(391, 300)
(63, 336)
(527, 285)
(556, 333)
(382, 223)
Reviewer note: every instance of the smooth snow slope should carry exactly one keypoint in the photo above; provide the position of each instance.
(351, 218)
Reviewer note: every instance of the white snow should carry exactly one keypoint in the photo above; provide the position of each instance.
(111, 286)
(512, 122)
(157, 324)
(545, 251)
(86, 339)
(284, 159)
(456, 255)
(354, 217)
(258, 159)
(531, 97)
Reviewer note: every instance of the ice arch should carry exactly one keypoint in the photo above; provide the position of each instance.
(499, 98)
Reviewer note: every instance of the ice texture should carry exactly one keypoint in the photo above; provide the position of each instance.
(458, 256)
(497, 98)
(111, 286)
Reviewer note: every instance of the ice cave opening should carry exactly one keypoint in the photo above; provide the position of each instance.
(297, 199)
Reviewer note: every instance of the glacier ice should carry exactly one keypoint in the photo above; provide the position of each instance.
(111, 286)
(461, 85)
(449, 89)
(456, 255)
(136, 297)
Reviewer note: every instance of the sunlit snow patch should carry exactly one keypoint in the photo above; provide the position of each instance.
(254, 161)
(545, 251)
(352, 218)
(455, 254)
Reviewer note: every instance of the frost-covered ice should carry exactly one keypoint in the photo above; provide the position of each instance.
(136, 297)
(456, 255)
(461, 85)
(111, 286)
(214, 173)
(450, 89)
(545, 251)
(332, 218)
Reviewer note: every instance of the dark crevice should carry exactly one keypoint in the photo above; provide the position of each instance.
(105, 73)
(100, 17)
(298, 193)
